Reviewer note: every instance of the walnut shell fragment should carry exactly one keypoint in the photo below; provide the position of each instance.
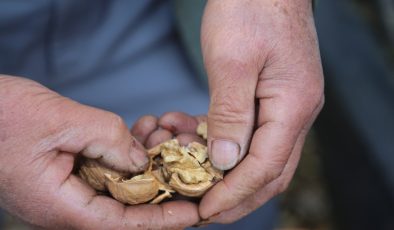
(191, 190)
(139, 189)
(94, 174)
(202, 130)
(186, 170)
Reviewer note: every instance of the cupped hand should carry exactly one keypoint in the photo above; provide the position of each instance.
(266, 88)
(41, 134)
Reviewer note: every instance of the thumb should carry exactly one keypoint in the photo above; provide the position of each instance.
(231, 112)
(102, 135)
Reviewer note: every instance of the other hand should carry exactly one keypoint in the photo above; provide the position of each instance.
(266, 88)
(41, 134)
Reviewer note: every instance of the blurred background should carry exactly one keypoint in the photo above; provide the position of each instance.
(345, 179)
(351, 147)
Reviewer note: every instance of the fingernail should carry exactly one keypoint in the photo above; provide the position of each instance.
(140, 160)
(138, 155)
(224, 154)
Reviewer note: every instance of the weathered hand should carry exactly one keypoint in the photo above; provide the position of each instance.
(266, 87)
(41, 134)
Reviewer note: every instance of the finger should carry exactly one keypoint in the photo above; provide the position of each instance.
(143, 127)
(102, 135)
(186, 138)
(79, 207)
(178, 122)
(157, 137)
(265, 193)
(270, 149)
(231, 112)
(254, 172)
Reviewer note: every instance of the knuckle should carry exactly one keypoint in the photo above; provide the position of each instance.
(282, 186)
(117, 126)
(314, 91)
(273, 175)
(315, 96)
(231, 67)
(306, 103)
(321, 101)
(148, 119)
(227, 109)
(314, 101)
(144, 124)
(230, 71)
(232, 95)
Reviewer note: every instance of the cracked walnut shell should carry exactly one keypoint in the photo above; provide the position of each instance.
(173, 168)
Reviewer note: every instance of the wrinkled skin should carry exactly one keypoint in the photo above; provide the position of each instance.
(41, 134)
(266, 86)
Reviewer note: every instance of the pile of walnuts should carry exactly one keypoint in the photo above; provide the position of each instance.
(172, 168)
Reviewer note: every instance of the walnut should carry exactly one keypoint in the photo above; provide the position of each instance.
(94, 173)
(138, 189)
(173, 168)
(202, 130)
(185, 168)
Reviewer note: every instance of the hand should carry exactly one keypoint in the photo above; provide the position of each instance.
(266, 87)
(151, 131)
(41, 135)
